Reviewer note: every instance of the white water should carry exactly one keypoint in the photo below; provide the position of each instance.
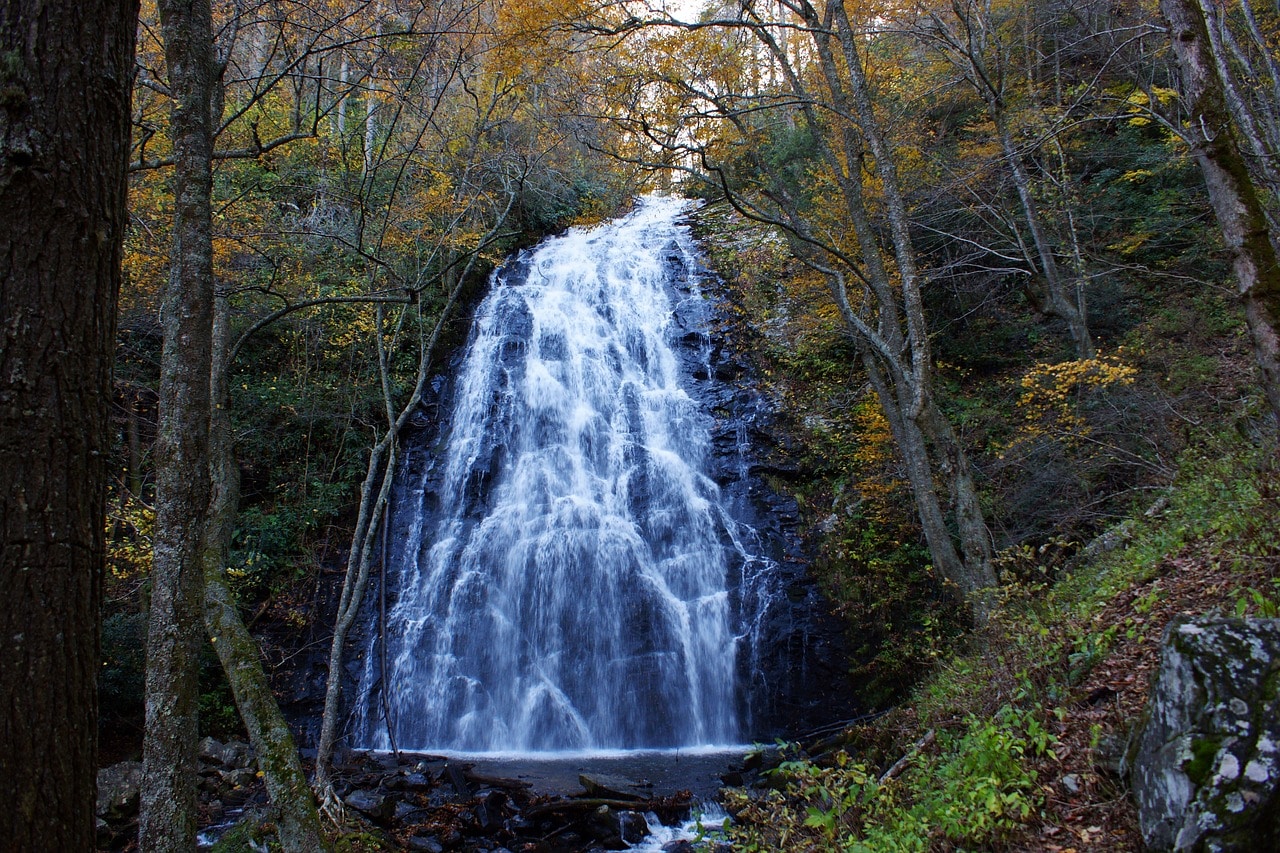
(561, 575)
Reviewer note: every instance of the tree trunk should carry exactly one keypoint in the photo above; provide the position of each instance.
(968, 45)
(1232, 192)
(889, 326)
(920, 439)
(168, 817)
(940, 453)
(65, 83)
(297, 821)
(1053, 301)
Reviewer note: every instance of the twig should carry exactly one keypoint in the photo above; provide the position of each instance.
(901, 764)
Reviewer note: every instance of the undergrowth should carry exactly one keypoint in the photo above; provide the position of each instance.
(959, 766)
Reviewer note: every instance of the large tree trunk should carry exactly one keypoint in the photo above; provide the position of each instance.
(64, 142)
(297, 821)
(1214, 142)
(168, 817)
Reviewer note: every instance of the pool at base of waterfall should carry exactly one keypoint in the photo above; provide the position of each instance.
(651, 773)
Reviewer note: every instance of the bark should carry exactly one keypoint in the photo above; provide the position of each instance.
(297, 821)
(931, 452)
(168, 818)
(1232, 191)
(65, 82)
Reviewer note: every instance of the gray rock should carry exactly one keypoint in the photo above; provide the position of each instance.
(241, 777)
(1109, 541)
(377, 806)
(232, 754)
(213, 751)
(119, 790)
(409, 781)
(425, 844)
(238, 754)
(1205, 762)
(609, 787)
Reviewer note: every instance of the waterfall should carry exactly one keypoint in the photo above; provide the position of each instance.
(563, 571)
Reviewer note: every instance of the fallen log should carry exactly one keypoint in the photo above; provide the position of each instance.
(587, 805)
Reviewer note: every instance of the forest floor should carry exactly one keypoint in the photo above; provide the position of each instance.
(1087, 806)
(1016, 742)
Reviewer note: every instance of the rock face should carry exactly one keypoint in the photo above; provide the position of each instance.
(1206, 761)
(793, 657)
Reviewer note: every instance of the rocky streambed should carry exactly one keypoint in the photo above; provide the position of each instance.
(412, 801)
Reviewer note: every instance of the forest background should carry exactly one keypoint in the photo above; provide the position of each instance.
(982, 257)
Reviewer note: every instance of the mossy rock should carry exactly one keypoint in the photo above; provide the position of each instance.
(1206, 767)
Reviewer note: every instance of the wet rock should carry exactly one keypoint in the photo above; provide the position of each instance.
(458, 779)
(411, 781)
(632, 826)
(119, 790)
(488, 810)
(1206, 761)
(603, 827)
(763, 759)
(407, 812)
(617, 829)
(378, 807)
(425, 844)
(609, 787)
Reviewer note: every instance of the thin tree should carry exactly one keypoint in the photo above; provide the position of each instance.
(968, 36)
(196, 488)
(168, 812)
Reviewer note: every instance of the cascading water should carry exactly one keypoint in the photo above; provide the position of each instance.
(564, 574)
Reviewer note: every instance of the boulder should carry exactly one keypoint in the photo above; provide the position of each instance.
(425, 844)
(1205, 761)
(212, 750)
(610, 787)
(632, 827)
(374, 805)
(241, 777)
(238, 754)
(119, 790)
(233, 755)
